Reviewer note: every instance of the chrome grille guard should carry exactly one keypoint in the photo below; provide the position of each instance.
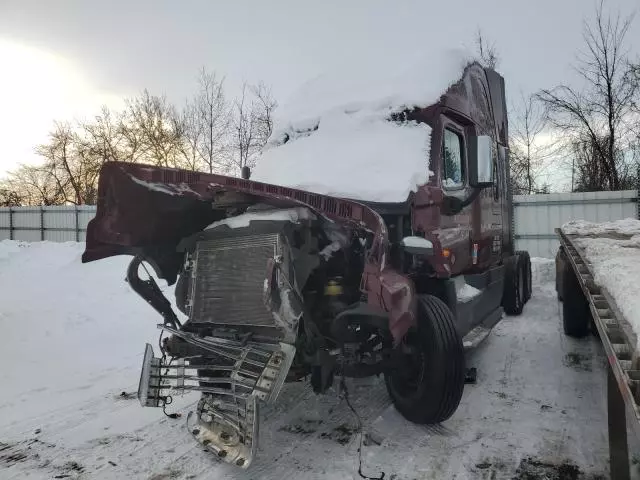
(227, 418)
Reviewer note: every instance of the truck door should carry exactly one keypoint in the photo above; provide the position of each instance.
(488, 217)
(454, 233)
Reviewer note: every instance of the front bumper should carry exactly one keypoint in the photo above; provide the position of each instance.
(227, 416)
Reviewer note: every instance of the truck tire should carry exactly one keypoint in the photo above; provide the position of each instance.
(576, 316)
(528, 287)
(561, 261)
(429, 389)
(513, 293)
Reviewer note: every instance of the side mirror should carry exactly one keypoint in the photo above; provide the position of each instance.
(481, 161)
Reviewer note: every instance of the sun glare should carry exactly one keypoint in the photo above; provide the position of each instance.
(36, 88)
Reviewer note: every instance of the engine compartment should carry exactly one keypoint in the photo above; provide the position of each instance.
(283, 275)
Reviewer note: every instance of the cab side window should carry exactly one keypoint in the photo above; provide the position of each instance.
(453, 159)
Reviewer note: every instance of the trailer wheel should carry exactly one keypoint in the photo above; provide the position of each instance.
(428, 387)
(561, 261)
(513, 293)
(576, 315)
(528, 284)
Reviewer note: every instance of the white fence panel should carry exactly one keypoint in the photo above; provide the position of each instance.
(536, 217)
(4, 224)
(54, 224)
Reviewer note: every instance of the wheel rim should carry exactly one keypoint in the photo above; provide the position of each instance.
(407, 380)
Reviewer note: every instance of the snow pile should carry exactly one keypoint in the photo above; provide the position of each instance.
(543, 270)
(627, 226)
(416, 242)
(9, 247)
(464, 291)
(335, 136)
(616, 266)
(290, 214)
(71, 331)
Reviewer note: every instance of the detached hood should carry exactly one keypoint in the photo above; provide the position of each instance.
(147, 210)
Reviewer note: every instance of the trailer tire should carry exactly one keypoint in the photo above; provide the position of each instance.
(561, 261)
(429, 390)
(513, 293)
(576, 316)
(528, 287)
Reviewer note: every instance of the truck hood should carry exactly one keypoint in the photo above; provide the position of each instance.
(146, 210)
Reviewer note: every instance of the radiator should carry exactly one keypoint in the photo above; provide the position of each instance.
(228, 280)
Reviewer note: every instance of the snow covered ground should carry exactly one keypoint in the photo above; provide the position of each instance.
(73, 337)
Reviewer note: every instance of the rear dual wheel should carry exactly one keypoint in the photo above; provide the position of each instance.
(517, 283)
(526, 265)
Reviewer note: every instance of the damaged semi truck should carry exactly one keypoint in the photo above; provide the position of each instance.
(280, 281)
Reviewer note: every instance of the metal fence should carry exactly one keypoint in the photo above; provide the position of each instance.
(55, 224)
(535, 217)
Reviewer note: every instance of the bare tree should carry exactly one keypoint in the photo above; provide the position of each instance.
(264, 106)
(530, 152)
(600, 114)
(251, 125)
(149, 130)
(156, 129)
(208, 123)
(103, 136)
(488, 53)
(59, 162)
(193, 137)
(9, 197)
(33, 185)
(243, 131)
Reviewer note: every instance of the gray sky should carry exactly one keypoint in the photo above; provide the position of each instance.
(64, 58)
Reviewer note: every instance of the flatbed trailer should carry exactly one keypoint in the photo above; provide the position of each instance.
(619, 342)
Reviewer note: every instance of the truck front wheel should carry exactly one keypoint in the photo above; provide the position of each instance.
(428, 387)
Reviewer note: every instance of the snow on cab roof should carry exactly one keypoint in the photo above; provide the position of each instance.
(334, 135)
